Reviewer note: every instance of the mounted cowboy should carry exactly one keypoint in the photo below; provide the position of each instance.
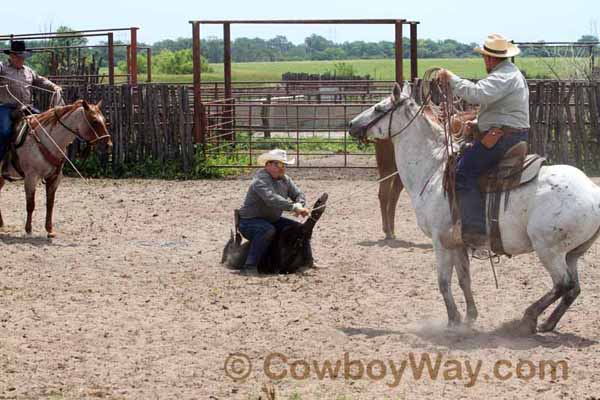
(502, 122)
(17, 79)
(271, 192)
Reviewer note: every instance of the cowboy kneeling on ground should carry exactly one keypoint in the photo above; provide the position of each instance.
(271, 192)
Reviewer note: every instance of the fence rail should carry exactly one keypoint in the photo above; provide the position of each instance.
(147, 123)
(154, 122)
(564, 118)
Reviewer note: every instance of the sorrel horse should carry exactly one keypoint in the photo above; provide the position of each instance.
(40, 148)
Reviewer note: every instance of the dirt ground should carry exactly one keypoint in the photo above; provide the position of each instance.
(130, 302)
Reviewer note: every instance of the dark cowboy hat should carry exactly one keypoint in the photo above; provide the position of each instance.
(18, 47)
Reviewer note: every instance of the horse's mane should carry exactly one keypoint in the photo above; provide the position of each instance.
(51, 117)
(433, 117)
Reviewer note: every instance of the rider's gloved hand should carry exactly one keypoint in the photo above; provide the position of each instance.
(444, 76)
(299, 210)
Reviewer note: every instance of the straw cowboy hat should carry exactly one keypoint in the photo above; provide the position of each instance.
(274, 155)
(18, 48)
(497, 46)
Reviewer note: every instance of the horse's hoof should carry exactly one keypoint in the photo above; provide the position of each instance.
(454, 323)
(546, 327)
(526, 327)
(471, 318)
(51, 235)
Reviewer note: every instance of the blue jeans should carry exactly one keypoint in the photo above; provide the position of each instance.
(475, 161)
(6, 127)
(261, 233)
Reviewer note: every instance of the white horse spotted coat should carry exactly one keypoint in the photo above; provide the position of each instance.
(557, 215)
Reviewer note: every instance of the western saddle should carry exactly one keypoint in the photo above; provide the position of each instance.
(515, 169)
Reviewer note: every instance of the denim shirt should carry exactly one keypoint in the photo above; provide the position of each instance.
(503, 96)
(267, 198)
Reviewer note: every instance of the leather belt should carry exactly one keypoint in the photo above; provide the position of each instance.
(507, 130)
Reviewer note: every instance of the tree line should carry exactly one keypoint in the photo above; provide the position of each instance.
(174, 56)
(316, 47)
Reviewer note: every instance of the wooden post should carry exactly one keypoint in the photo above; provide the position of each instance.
(111, 59)
(128, 60)
(228, 111)
(264, 115)
(134, 68)
(399, 55)
(414, 71)
(148, 65)
(198, 131)
(227, 59)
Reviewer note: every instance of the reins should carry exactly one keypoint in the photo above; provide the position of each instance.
(447, 99)
(389, 112)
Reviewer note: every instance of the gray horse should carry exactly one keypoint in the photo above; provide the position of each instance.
(557, 214)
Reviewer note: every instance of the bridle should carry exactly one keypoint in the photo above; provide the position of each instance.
(76, 132)
(391, 112)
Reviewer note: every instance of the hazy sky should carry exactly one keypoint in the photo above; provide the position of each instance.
(466, 21)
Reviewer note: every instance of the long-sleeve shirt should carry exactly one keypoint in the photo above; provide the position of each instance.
(503, 96)
(22, 91)
(267, 198)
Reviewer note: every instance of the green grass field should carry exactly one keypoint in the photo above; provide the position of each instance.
(378, 69)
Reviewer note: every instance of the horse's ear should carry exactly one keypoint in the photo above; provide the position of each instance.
(99, 104)
(396, 92)
(407, 89)
(85, 105)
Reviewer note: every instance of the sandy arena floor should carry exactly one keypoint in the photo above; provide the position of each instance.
(130, 302)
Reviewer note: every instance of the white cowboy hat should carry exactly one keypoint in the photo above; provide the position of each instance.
(274, 155)
(497, 46)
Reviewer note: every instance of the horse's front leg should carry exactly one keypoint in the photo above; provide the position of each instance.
(463, 271)
(30, 185)
(388, 190)
(51, 186)
(384, 195)
(395, 189)
(2, 181)
(445, 266)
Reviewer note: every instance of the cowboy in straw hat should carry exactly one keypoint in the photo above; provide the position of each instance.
(268, 196)
(17, 79)
(502, 121)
